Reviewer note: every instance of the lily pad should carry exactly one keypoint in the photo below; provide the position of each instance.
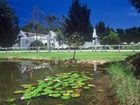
(91, 85)
(86, 87)
(25, 86)
(11, 100)
(18, 92)
(75, 95)
(65, 97)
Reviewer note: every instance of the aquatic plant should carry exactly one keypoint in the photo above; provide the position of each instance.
(63, 85)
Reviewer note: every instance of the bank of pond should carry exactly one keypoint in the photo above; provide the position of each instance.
(25, 82)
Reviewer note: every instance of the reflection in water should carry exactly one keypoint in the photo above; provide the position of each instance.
(29, 66)
(96, 73)
(95, 67)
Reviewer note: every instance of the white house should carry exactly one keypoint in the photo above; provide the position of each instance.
(26, 38)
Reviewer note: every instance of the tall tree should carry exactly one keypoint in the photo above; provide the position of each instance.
(52, 22)
(79, 21)
(29, 27)
(9, 28)
(102, 29)
(37, 18)
(136, 4)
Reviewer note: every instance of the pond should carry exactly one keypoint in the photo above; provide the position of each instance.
(15, 74)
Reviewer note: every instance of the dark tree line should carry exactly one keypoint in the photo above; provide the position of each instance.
(102, 29)
(129, 34)
(8, 25)
(125, 35)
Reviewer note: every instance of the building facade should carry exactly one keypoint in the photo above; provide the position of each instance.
(26, 38)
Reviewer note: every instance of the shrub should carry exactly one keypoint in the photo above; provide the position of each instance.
(34, 45)
(124, 84)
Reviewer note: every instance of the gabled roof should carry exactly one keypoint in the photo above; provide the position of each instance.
(30, 34)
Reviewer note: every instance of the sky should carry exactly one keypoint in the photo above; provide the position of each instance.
(115, 13)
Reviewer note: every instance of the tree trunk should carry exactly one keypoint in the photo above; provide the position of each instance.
(74, 54)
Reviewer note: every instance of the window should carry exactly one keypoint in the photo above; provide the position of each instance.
(46, 44)
(26, 41)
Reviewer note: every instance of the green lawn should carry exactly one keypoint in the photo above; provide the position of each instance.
(106, 56)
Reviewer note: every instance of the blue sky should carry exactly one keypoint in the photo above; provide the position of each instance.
(115, 13)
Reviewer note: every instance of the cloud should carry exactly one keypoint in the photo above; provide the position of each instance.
(132, 12)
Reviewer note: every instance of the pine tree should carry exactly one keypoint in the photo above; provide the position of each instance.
(102, 29)
(136, 4)
(8, 25)
(78, 21)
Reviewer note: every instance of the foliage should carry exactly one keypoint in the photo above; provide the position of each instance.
(36, 22)
(136, 4)
(79, 21)
(102, 30)
(64, 86)
(75, 40)
(60, 37)
(124, 84)
(111, 39)
(9, 28)
(36, 44)
(29, 27)
(52, 22)
(129, 34)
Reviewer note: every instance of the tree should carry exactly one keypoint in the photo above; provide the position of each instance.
(75, 41)
(35, 44)
(60, 37)
(129, 34)
(111, 39)
(121, 33)
(79, 21)
(36, 20)
(102, 30)
(52, 22)
(136, 4)
(29, 27)
(9, 28)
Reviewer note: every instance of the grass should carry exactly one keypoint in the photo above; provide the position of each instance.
(124, 84)
(105, 56)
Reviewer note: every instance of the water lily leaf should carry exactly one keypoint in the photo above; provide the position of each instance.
(18, 92)
(65, 97)
(11, 100)
(55, 95)
(86, 87)
(25, 86)
(70, 91)
(91, 85)
(75, 95)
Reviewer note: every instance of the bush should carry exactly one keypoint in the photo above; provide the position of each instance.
(124, 84)
(34, 45)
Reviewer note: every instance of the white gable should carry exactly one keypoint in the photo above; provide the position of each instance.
(21, 34)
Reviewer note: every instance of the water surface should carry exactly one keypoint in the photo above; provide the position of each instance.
(14, 74)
